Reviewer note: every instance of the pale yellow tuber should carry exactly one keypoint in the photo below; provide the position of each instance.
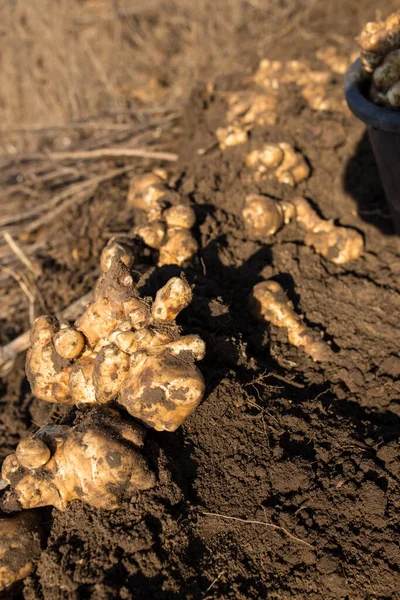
(117, 327)
(315, 86)
(233, 135)
(334, 242)
(145, 191)
(264, 216)
(98, 461)
(246, 109)
(166, 228)
(280, 161)
(380, 55)
(269, 303)
(20, 546)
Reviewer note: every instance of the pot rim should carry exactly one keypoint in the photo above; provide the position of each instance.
(368, 112)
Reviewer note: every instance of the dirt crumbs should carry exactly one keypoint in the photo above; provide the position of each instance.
(284, 483)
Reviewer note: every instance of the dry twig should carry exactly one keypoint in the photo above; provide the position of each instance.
(104, 153)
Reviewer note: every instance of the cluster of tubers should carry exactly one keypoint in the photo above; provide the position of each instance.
(278, 161)
(315, 86)
(269, 303)
(123, 353)
(380, 56)
(121, 349)
(167, 228)
(264, 216)
(246, 109)
(125, 356)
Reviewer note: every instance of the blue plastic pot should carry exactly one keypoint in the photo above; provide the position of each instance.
(384, 134)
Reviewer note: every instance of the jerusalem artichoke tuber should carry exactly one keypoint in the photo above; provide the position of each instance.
(117, 329)
(166, 228)
(315, 86)
(334, 242)
(97, 461)
(281, 161)
(268, 302)
(20, 541)
(264, 216)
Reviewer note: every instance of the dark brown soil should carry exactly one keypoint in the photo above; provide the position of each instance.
(285, 482)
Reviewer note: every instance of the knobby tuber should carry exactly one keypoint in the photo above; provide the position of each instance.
(20, 546)
(233, 135)
(246, 109)
(251, 108)
(97, 461)
(167, 227)
(280, 161)
(269, 302)
(380, 55)
(122, 349)
(315, 86)
(263, 216)
(334, 242)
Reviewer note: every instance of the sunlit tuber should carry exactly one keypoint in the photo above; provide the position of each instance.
(315, 86)
(334, 242)
(20, 546)
(264, 216)
(269, 303)
(98, 461)
(117, 327)
(166, 228)
(380, 55)
(280, 161)
(233, 135)
(250, 108)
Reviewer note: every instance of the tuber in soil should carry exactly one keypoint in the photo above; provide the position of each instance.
(97, 461)
(280, 161)
(166, 227)
(122, 349)
(263, 216)
(269, 302)
(334, 242)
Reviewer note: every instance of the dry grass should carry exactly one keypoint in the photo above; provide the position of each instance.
(71, 60)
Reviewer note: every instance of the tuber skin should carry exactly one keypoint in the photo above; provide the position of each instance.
(246, 109)
(380, 55)
(280, 161)
(269, 303)
(334, 242)
(233, 135)
(167, 228)
(119, 327)
(20, 546)
(98, 461)
(264, 216)
(314, 85)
